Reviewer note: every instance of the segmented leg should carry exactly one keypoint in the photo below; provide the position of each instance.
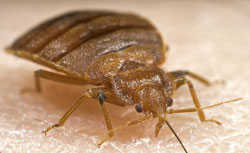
(189, 110)
(96, 93)
(128, 124)
(101, 94)
(68, 113)
(180, 80)
(101, 98)
(182, 73)
(162, 120)
(197, 104)
(55, 77)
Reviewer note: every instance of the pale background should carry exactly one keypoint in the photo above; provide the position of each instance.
(211, 38)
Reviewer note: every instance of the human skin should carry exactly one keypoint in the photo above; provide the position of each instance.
(208, 38)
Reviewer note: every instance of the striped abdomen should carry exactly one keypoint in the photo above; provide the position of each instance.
(71, 42)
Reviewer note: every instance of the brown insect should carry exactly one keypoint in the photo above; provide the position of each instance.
(120, 53)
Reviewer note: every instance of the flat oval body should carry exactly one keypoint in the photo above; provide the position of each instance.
(72, 42)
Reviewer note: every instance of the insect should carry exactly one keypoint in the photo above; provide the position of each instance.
(118, 52)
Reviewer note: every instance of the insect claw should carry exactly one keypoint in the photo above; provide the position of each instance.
(108, 137)
(214, 121)
(49, 128)
(100, 143)
(45, 132)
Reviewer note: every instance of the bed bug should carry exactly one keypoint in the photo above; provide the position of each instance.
(120, 53)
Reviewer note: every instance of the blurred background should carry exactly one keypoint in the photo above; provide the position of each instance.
(211, 38)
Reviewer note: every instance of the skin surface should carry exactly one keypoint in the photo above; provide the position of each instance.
(192, 42)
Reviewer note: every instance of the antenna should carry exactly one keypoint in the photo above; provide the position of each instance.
(176, 136)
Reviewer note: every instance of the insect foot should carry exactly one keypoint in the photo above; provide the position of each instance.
(107, 138)
(49, 128)
(213, 121)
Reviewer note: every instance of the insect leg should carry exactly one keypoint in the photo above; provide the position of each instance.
(100, 94)
(189, 110)
(128, 124)
(68, 113)
(92, 93)
(182, 80)
(162, 120)
(54, 77)
(101, 98)
(182, 73)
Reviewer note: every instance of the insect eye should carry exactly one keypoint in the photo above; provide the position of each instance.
(169, 102)
(138, 108)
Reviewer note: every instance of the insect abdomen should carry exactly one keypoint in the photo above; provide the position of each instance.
(75, 40)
